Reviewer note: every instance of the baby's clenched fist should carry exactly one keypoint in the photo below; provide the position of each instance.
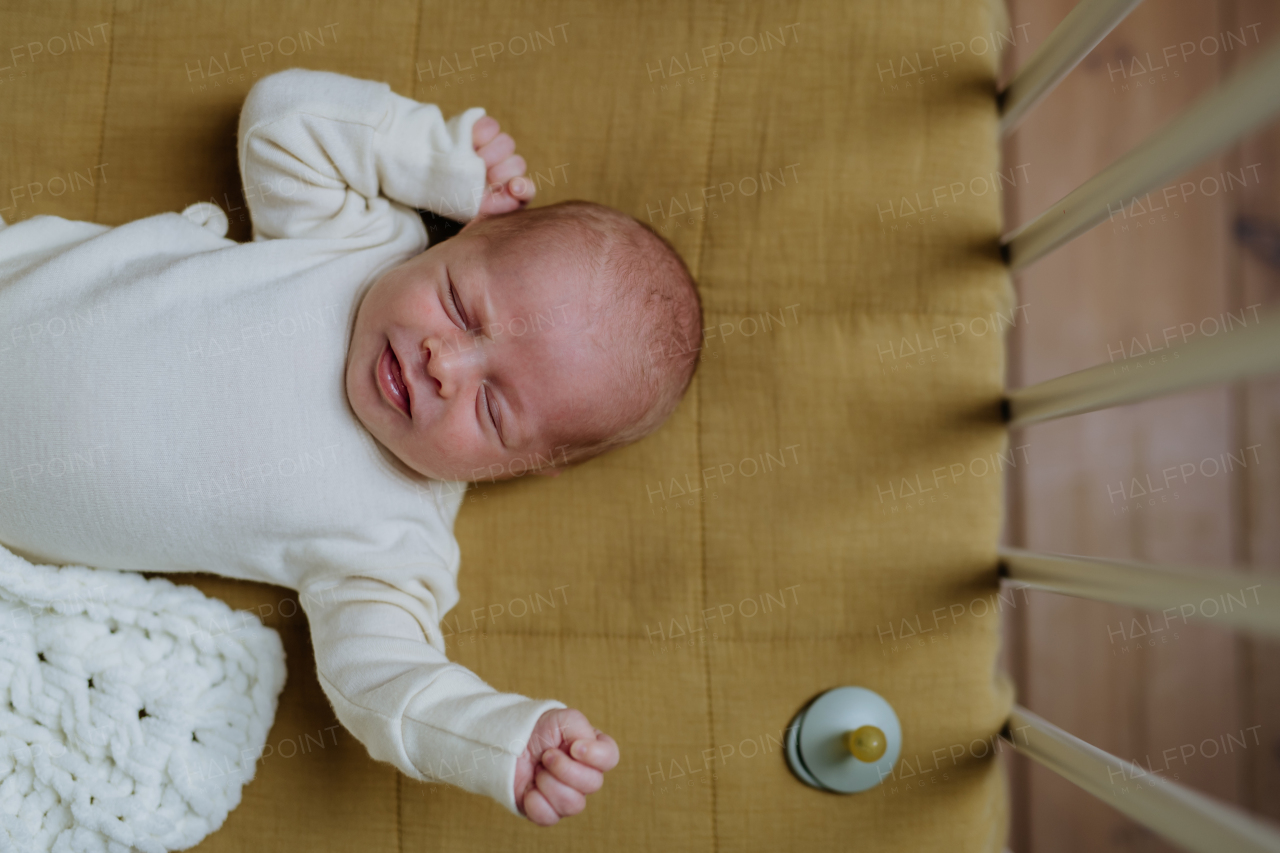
(506, 187)
(566, 759)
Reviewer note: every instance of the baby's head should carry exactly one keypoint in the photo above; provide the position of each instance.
(531, 341)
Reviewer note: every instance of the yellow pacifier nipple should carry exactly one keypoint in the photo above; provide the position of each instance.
(866, 743)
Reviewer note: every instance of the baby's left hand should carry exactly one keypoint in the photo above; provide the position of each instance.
(506, 186)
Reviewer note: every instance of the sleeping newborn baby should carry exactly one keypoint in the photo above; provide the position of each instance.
(306, 409)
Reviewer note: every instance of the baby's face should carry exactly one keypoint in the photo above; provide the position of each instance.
(468, 361)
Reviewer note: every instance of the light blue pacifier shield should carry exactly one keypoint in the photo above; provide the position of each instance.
(818, 751)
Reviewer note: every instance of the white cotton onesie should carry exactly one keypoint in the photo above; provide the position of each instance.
(174, 401)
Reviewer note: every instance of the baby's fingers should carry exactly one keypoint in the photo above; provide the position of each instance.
(538, 810)
(601, 753)
(483, 131)
(576, 775)
(512, 167)
(565, 800)
(522, 188)
(496, 150)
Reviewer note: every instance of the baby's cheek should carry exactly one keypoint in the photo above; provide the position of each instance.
(446, 447)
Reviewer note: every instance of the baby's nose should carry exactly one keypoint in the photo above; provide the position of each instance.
(426, 351)
(450, 362)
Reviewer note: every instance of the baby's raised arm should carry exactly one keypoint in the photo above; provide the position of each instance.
(323, 155)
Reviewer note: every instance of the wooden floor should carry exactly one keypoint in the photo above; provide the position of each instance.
(1179, 698)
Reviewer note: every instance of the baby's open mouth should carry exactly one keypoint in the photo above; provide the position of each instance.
(391, 381)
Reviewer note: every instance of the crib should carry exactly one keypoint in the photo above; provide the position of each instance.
(1250, 98)
(824, 507)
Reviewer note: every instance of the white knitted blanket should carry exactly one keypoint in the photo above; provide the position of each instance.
(132, 710)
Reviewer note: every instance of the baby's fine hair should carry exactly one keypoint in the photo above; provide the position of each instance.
(643, 297)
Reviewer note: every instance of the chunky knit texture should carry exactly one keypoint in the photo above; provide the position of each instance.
(132, 710)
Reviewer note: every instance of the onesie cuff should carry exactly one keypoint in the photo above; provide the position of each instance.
(486, 764)
(469, 166)
(430, 163)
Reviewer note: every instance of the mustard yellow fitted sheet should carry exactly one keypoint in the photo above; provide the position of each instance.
(823, 508)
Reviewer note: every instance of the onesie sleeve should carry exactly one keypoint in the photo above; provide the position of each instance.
(380, 658)
(324, 155)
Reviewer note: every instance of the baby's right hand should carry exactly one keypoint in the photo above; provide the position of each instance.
(550, 783)
(506, 187)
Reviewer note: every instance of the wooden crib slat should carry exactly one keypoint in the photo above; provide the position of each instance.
(1133, 275)
(1078, 34)
(1230, 598)
(1240, 354)
(1185, 817)
(1245, 101)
